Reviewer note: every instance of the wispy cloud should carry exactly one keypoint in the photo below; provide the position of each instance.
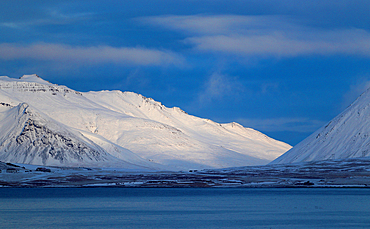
(355, 91)
(350, 42)
(92, 55)
(300, 125)
(46, 17)
(219, 24)
(217, 87)
(263, 36)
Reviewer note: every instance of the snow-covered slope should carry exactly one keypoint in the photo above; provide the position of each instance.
(130, 127)
(31, 138)
(346, 136)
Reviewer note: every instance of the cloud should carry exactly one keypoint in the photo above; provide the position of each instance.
(196, 24)
(355, 91)
(40, 16)
(217, 87)
(264, 36)
(349, 42)
(218, 24)
(301, 125)
(90, 55)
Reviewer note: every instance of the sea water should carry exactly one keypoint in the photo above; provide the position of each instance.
(184, 208)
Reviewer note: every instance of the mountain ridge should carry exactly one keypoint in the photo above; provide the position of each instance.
(164, 137)
(345, 136)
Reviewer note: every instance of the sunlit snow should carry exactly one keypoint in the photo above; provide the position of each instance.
(117, 129)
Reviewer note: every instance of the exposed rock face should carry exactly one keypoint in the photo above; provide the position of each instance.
(33, 138)
(54, 145)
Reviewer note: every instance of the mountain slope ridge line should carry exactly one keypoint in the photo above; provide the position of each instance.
(345, 136)
(132, 128)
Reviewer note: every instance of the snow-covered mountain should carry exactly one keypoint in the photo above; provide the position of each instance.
(44, 123)
(346, 136)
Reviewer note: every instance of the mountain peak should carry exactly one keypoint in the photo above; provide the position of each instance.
(34, 79)
(345, 136)
(24, 77)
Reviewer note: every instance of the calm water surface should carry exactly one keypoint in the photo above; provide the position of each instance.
(184, 208)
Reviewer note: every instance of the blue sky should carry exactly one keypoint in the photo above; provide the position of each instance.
(282, 67)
